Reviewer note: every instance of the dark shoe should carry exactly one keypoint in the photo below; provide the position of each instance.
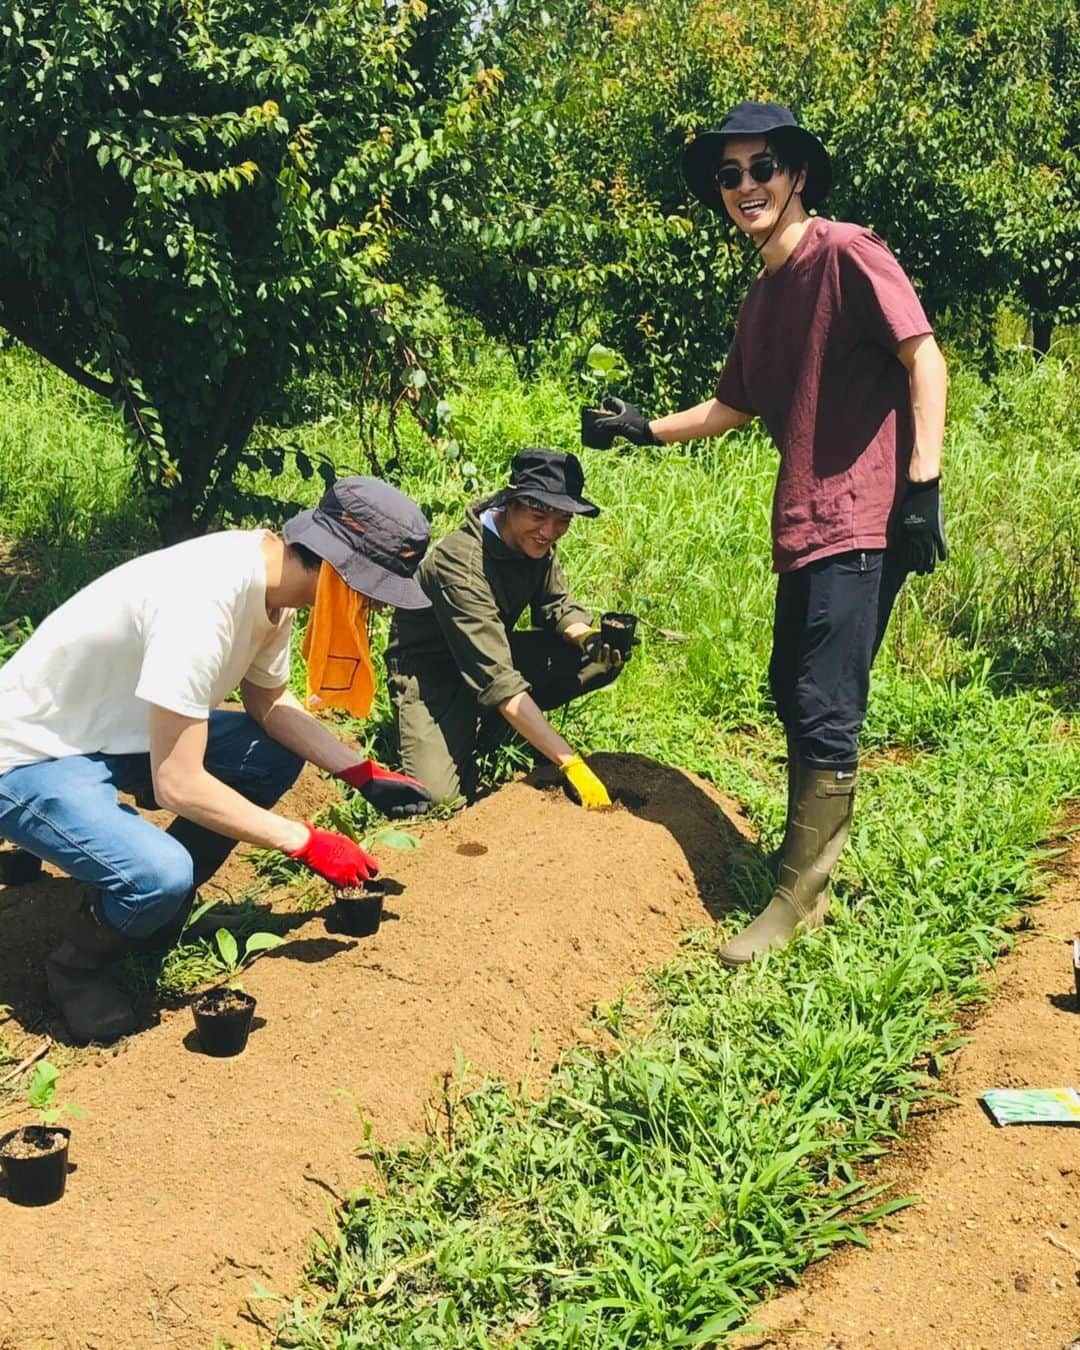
(822, 808)
(91, 1005)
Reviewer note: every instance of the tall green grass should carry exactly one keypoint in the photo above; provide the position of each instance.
(67, 508)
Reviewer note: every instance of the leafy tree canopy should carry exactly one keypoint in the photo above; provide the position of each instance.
(199, 200)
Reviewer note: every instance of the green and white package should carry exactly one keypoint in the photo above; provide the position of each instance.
(1034, 1106)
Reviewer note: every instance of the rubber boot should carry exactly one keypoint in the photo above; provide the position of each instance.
(823, 804)
(91, 1005)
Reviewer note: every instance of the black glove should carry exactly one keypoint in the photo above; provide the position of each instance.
(922, 527)
(615, 417)
(394, 794)
(601, 653)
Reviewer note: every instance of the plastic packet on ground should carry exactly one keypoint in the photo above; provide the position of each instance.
(1033, 1106)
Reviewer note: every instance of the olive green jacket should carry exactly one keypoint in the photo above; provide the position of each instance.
(478, 590)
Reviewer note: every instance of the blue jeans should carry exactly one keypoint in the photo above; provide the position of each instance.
(66, 811)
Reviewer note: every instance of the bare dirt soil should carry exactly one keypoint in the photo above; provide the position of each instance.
(990, 1257)
(195, 1177)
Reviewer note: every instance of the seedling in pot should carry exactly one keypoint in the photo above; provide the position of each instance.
(34, 1158)
(617, 632)
(223, 1014)
(602, 365)
(358, 910)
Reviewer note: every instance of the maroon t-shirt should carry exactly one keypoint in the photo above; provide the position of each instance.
(814, 357)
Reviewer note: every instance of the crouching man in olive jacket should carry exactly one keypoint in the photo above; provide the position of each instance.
(460, 677)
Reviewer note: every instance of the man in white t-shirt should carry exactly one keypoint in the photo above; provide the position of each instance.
(118, 691)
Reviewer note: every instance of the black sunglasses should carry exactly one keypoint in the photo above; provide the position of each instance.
(730, 176)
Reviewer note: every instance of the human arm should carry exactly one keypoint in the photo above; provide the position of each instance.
(281, 715)
(921, 519)
(929, 381)
(711, 418)
(523, 714)
(183, 785)
(616, 417)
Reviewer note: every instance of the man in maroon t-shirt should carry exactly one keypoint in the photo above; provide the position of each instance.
(833, 352)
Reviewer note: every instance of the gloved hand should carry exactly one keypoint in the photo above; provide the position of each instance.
(594, 648)
(922, 526)
(583, 786)
(615, 417)
(394, 794)
(337, 858)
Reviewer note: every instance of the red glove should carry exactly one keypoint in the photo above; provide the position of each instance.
(394, 794)
(335, 857)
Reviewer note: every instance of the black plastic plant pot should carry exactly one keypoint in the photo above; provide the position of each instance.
(223, 1020)
(18, 868)
(617, 631)
(359, 912)
(593, 433)
(35, 1163)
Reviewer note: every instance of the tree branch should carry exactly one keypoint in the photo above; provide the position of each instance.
(58, 359)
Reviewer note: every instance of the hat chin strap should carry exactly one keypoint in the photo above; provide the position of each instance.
(736, 277)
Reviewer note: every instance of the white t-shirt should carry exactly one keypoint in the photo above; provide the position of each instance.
(179, 628)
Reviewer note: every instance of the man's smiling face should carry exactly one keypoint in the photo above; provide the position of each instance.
(755, 207)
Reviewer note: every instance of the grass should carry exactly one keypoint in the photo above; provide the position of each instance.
(655, 1191)
(650, 1194)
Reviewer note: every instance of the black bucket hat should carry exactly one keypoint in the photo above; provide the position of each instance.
(702, 156)
(550, 478)
(372, 535)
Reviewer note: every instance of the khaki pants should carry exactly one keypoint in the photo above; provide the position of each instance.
(443, 732)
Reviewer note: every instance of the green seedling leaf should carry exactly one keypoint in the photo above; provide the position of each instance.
(227, 949)
(394, 838)
(601, 359)
(41, 1095)
(197, 913)
(262, 942)
(41, 1090)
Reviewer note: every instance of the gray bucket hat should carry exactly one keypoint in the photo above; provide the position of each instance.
(372, 535)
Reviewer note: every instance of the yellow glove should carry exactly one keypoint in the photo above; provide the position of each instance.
(583, 785)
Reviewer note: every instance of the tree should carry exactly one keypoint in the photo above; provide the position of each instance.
(201, 201)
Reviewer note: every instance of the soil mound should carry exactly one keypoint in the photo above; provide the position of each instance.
(198, 1176)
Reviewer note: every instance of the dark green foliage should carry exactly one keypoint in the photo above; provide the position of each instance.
(953, 129)
(199, 201)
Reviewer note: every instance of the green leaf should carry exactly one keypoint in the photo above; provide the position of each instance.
(263, 942)
(227, 948)
(392, 837)
(42, 1086)
(601, 359)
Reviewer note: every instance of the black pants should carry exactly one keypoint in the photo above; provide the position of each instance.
(829, 621)
(442, 731)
